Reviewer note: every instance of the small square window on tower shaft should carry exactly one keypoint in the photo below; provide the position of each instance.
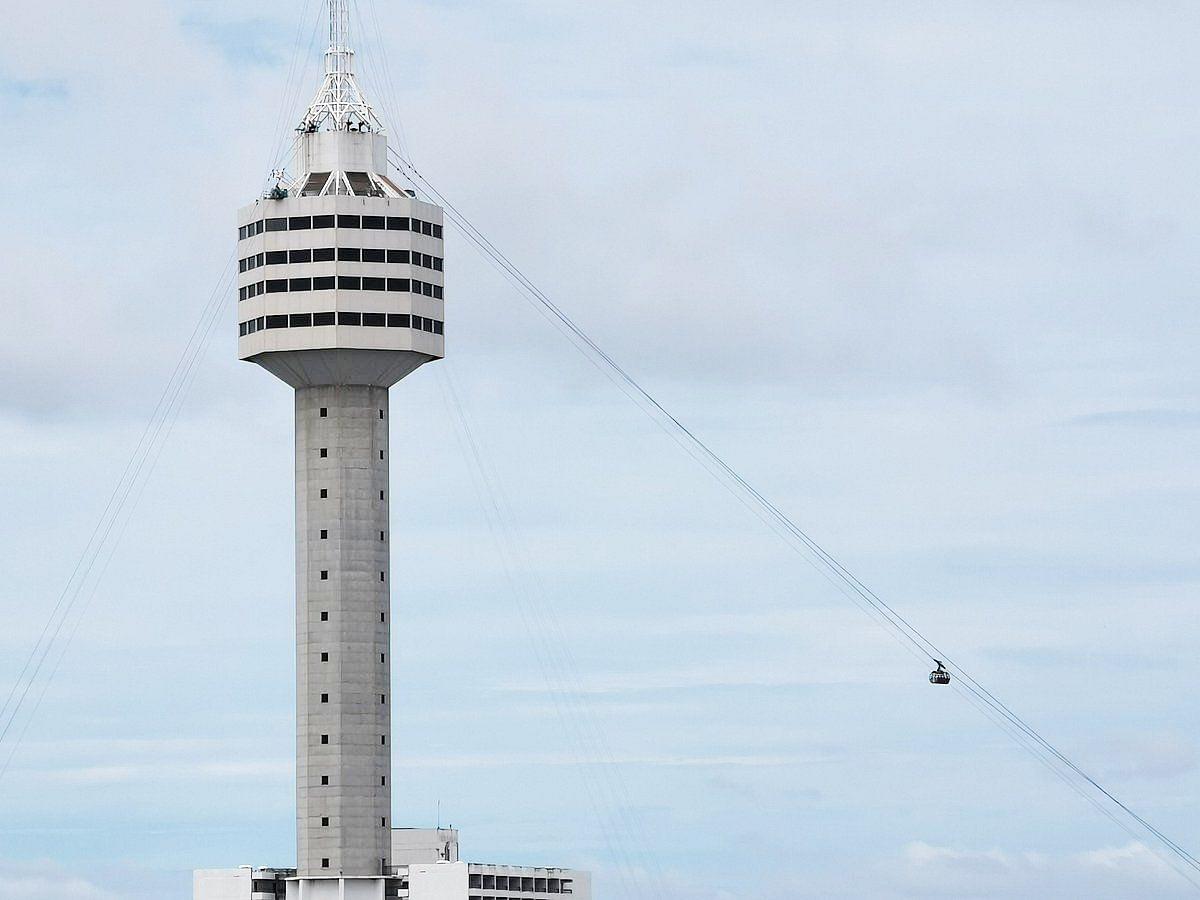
(324, 739)
(324, 779)
(324, 412)
(324, 821)
(324, 615)
(324, 534)
(325, 656)
(324, 493)
(325, 862)
(324, 452)
(324, 574)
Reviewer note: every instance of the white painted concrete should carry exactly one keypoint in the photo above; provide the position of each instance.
(424, 845)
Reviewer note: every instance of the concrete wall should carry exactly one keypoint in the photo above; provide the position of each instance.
(221, 884)
(330, 336)
(437, 881)
(354, 596)
(424, 845)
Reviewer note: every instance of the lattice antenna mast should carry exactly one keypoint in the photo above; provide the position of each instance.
(340, 104)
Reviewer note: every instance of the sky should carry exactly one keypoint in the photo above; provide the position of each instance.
(925, 274)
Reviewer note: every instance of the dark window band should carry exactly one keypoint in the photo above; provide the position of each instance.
(343, 254)
(304, 223)
(367, 320)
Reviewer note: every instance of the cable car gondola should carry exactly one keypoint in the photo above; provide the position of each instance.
(939, 675)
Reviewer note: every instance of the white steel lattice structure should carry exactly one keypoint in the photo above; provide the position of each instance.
(340, 104)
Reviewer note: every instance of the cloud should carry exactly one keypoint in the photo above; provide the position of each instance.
(34, 89)
(249, 41)
(1141, 418)
(1164, 756)
(46, 881)
(1109, 872)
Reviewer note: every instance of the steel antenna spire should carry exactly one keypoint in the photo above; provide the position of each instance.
(340, 104)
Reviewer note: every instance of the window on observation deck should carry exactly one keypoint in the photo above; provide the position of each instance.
(323, 221)
(349, 283)
(397, 256)
(325, 318)
(277, 321)
(373, 284)
(349, 254)
(276, 257)
(349, 318)
(299, 223)
(373, 222)
(374, 320)
(316, 181)
(324, 283)
(398, 320)
(300, 284)
(277, 224)
(299, 320)
(349, 222)
(399, 284)
(323, 254)
(300, 256)
(397, 223)
(370, 255)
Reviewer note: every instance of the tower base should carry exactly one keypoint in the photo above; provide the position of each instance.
(427, 868)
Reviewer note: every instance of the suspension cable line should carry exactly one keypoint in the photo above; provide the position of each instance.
(110, 526)
(782, 524)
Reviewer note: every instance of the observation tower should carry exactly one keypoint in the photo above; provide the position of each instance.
(340, 294)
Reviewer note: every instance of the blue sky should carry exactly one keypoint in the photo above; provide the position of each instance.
(926, 275)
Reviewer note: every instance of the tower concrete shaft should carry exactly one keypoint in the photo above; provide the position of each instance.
(343, 657)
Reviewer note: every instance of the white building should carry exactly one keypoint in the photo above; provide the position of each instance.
(341, 295)
(427, 868)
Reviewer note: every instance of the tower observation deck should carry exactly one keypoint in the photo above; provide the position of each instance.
(340, 294)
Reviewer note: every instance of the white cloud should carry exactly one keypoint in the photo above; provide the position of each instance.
(1132, 870)
(46, 881)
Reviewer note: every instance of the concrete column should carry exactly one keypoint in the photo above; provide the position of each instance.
(343, 617)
